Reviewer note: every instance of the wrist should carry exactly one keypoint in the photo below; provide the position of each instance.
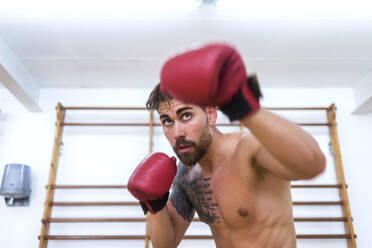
(252, 118)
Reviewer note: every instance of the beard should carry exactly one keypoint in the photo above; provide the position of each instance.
(198, 149)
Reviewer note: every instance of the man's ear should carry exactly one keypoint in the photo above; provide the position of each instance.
(212, 115)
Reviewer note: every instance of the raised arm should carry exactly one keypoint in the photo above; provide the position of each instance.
(283, 148)
(215, 75)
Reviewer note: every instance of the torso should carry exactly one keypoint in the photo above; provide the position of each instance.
(244, 205)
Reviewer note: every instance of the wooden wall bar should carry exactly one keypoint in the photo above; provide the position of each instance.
(51, 187)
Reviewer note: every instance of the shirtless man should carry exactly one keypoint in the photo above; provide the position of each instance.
(238, 183)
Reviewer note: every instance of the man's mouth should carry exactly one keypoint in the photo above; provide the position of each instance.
(184, 148)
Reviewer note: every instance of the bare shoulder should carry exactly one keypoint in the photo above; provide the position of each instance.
(245, 156)
(247, 146)
(251, 152)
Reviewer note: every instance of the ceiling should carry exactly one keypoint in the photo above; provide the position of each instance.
(60, 50)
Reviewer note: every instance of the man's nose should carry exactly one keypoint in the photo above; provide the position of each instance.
(179, 130)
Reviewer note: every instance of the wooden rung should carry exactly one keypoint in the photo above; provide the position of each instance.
(95, 220)
(299, 236)
(311, 203)
(124, 186)
(88, 186)
(325, 219)
(324, 236)
(68, 204)
(105, 108)
(97, 124)
(109, 124)
(317, 186)
(297, 108)
(308, 219)
(56, 220)
(142, 237)
(299, 124)
(142, 108)
(92, 237)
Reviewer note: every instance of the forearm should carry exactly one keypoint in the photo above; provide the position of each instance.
(287, 142)
(161, 230)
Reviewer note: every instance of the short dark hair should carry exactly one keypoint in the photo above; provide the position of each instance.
(157, 97)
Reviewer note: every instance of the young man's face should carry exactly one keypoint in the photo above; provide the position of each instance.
(187, 130)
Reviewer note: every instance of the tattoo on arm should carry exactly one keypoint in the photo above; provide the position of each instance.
(179, 198)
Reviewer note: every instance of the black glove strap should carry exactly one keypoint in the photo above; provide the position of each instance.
(156, 205)
(238, 107)
(144, 208)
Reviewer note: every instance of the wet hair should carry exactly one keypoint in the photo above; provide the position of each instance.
(157, 97)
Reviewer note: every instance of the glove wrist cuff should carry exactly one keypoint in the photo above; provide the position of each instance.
(155, 206)
(245, 102)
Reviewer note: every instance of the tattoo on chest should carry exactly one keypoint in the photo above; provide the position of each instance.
(201, 196)
(192, 191)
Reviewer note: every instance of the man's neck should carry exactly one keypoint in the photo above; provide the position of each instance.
(214, 156)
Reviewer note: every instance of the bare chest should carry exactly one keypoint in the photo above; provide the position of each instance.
(235, 196)
(221, 198)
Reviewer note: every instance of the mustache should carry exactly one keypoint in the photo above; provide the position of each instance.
(184, 142)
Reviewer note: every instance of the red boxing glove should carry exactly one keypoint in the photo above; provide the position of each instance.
(213, 75)
(151, 180)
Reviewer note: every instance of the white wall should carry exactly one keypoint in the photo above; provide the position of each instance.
(107, 156)
(355, 137)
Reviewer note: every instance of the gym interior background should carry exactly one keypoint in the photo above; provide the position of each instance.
(83, 58)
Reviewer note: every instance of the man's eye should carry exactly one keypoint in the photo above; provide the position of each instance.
(167, 122)
(186, 116)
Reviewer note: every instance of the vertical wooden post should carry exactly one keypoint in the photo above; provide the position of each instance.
(52, 175)
(151, 131)
(147, 237)
(331, 116)
(242, 127)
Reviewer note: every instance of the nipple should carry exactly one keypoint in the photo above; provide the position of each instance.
(243, 212)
